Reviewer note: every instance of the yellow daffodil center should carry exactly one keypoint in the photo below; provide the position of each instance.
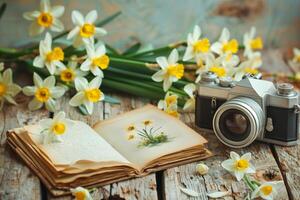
(231, 47)
(55, 55)
(93, 95)
(131, 128)
(67, 75)
(147, 122)
(256, 43)
(250, 70)
(171, 100)
(297, 58)
(2, 89)
(242, 164)
(219, 71)
(80, 195)
(42, 94)
(59, 128)
(201, 46)
(87, 30)
(175, 70)
(266, 190)
(101, 61)
(130, 137)
(45, 19)
(173, 113)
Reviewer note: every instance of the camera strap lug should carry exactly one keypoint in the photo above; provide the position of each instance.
(213, 103)
(297, 108)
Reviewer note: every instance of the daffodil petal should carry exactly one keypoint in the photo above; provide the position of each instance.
(246, 156)
(57, 26)
(38, 62)
(35, 104)
(29, 90)
(81, 84)
(7, 76)
(100, 31)
(196, 33)
(73, 32)
(77, 41)
(35, 29)
(50, 105)
(77, 18)
(13, 89)
(31, 15)
(91, 17)
(49, 82)
(216, 48)
(225, 35)
(239, 175)
(234, 155)
(51, 67)
(89, 107)
(57, 92)
(10, 99)
(57, 11)
(167, 84)
(228, 165)
(77, 99)
(97, 71)
(45, 5)
(100, 50)
(86, 65)
(158, 76)
(37, 80)
(162, 62)
(173, 57)
(188, 54)
(95, 83)
(60, 116)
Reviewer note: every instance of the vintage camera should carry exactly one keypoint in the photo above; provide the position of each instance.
(248, 110)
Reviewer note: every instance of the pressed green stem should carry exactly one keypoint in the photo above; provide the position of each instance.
(249, 183)
(119, 60)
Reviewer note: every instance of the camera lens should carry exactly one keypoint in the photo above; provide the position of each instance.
(238, 122)
(235, 125)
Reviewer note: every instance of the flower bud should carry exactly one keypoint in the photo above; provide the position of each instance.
(202, 169)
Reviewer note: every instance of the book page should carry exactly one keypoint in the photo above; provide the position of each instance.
(80, 143)
(148, 133)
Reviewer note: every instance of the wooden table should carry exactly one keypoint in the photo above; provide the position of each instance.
(272, 162)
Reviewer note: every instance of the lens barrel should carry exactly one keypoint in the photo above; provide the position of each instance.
(238, 122)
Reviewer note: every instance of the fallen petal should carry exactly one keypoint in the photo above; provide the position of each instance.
(217, 194)
(189, 192)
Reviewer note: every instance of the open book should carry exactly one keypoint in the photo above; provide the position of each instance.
(130, 145)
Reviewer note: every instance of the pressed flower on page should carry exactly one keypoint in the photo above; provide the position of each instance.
(46, 18)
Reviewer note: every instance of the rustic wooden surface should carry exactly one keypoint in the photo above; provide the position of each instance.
(272, 162)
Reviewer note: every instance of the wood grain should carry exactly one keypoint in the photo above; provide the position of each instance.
(218, 179)
(16, 180)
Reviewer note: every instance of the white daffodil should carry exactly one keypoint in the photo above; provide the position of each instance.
(249, 66)
(85, 30)
(296, 58)
(196, 47)
(202, 65)
(169, 104)
(51, 58)
(224, 44)
(8, 89)
(44, 92)
(47, 17)
(1, 67)
(216, 65)
(52, 129)
(68, 73)
(87, 93)
(170, 72)
(190, 103)
(239, 166)
(229, 60)
(267, 190)
(81, 193)
(251, 42)
(96, 61)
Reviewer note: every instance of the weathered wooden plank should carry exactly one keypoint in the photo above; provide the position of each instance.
(218, 179)
(73, 113)
(139, 188)
(16, 180)
(289, 161)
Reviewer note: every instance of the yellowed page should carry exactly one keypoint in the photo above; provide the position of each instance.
(118, 132)
(80, 143)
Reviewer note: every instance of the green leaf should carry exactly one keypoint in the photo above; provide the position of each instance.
(133, 49)
(2, 9)
(111, 100)
(82, 110)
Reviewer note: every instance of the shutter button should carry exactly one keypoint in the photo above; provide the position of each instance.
(269, 126)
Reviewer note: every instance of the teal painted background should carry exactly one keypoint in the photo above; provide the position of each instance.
(161, 22)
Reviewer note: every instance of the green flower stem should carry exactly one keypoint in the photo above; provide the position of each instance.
(249, 183)
(130, 62)
(158, 50)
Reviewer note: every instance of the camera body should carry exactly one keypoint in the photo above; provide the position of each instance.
(248, 110)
